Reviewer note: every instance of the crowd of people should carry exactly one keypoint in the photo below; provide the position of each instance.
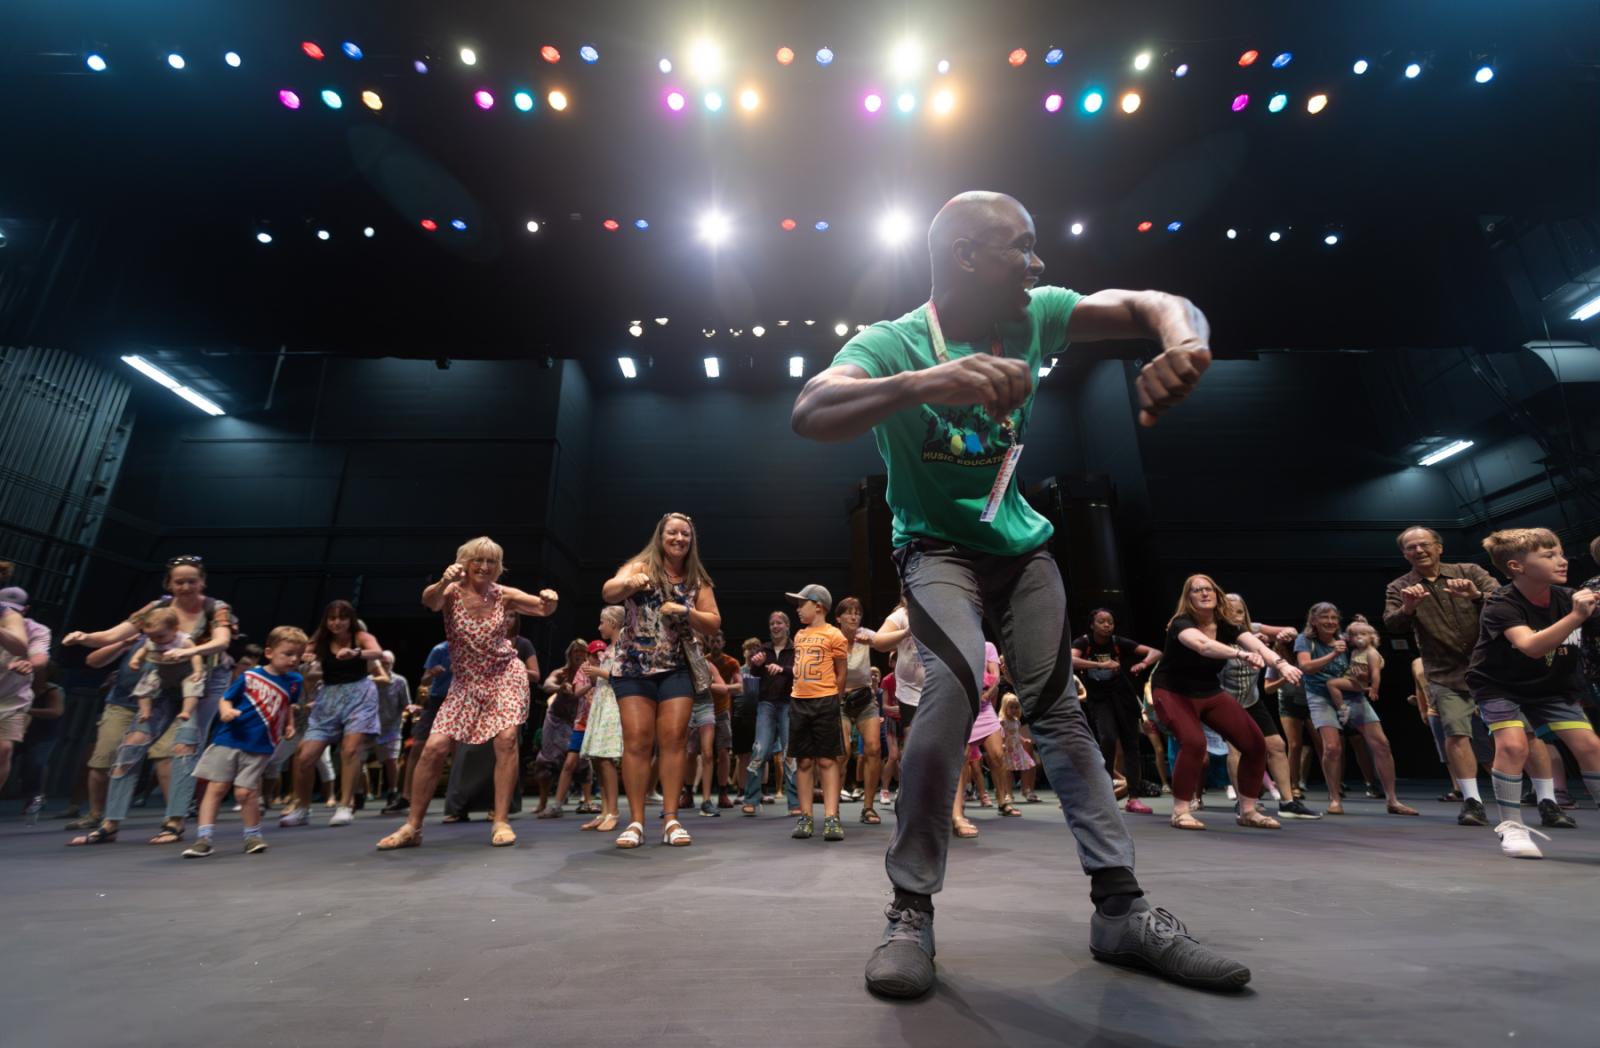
(655, 712)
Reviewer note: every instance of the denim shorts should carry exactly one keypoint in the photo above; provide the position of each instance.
(575, 744)
(344, 709)
(1323, 715)
(702, 714)
(673, 684)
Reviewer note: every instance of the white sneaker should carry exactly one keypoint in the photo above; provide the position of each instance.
(1233, 794)
(1516, 840)
(1276, 794)
(293, 817)
(238, 807)
(342, 816)
(883, 797)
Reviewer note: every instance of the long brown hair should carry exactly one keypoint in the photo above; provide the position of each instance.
(655, 561)
(322, 639)
(1187, 610)
(577, 655)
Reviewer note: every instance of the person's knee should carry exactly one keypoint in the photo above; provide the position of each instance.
(244, 796)
(870, 749)
(1333, 750)
(1275, 746)
(1512, 744)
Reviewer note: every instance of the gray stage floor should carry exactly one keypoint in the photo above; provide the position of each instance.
(1368, 930)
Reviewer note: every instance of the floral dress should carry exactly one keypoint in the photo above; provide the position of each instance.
(489, 690)
(602, 736)
(1017, 758)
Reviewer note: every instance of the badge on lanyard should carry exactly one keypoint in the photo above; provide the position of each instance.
(1008, 466)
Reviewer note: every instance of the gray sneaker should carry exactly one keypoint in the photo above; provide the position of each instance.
(1158, 942)
(802, 828)
(832, 828)
(902, 965)
(254, 844)
(200, 849)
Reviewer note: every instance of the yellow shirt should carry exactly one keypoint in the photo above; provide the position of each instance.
(815, 648)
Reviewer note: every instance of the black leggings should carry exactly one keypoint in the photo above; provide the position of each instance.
(1116, 719)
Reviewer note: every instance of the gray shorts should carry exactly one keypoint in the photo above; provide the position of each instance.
(226, 764)
(853, 711)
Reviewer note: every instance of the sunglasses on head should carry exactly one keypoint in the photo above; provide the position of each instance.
(178, 562)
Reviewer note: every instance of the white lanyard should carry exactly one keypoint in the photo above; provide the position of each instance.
(1008, 467)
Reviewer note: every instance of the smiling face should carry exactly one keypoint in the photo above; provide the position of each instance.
(1002, 261)
(483, 570)
(778, 627)
(676, 538)
(1327, 625)
(1422, 550)
(1545, 566)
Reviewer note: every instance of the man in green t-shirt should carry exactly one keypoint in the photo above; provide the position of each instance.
(947, 391)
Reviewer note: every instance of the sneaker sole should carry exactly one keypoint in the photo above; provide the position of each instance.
(1233, 981)
(1472, 822)
(1296, 815)
(191, 854)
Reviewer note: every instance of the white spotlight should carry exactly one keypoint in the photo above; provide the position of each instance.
(533, 227)
(1587, 310)
(629, 369)
(1233, 234)
(1141, 61)
(1331, 239)
(714, 228)
(905, 58)
(713, 367)
(797, 367)
(758, 331)
(166, 381)
(1274, 236)
(705, 59)
(263, 238)
(469, 56)
(841, 329)
(369, 232)
(894, 228)
(1076, 229)
(323, 234)
(662, 321)
(636, 329)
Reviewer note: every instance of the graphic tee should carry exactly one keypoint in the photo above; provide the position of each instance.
(265, 703)
(1499, 671)
(815, 648)
(943, 459)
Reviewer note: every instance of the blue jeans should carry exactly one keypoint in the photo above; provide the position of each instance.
(772, 736)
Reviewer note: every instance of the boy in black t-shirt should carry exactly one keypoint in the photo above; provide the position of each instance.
(1526, 672)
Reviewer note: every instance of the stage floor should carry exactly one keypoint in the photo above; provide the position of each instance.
(1362, 930)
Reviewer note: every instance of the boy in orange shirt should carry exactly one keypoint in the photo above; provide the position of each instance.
(820, 653)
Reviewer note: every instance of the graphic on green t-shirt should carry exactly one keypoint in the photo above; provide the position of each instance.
(943, 460)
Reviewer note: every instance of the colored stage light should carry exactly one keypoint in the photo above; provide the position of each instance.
(352, 51)
(749, 100)
(1141, 61)
(420, 66)
(1249, 58)
(176, 61)
(1239, 102)
(1017, 57)
(550, 54)
(1052, 103)
(1361, 67)
(483, 99)
(557, 101)
(263, 238)
(894, 229)
(589, 54)
(323, 234)
(1145, 226)
(523, 100)
(1484, 74)
(429, 224)
(629, 369)
(1054, 56)
(943, 101)
(824, 56)
(1182, 70)
(1076, 229)
(787, 225)
(1093, 101)
(289, 99)
(371, 100)
(233, 60)
(1282, 60)
(459, 225)
(96, 63)
(906, 102)
(872, 103)
(331, 99)
(675, 101)
(1276, 103)
(1413, 71)
(1173, 227)
(312, 50)
(785, 55)
(611, 225)
(469, 56)
(713, 101)
(640, 224)
(821, 227)
(1316, 104)
(1130, 102)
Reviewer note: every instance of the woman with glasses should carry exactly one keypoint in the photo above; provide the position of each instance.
(169, 744)
(667, 597)
(1201, 638)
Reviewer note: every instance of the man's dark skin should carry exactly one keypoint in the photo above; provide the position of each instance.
(984, 252)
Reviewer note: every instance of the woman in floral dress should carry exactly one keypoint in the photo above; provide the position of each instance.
(488, 696)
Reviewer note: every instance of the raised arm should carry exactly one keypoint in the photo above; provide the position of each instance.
(1172, 320)
(628, 580)
(433, 595)
(540, 606)
(106, 655)
(13, 633)
(1536, 645)
(844, 401)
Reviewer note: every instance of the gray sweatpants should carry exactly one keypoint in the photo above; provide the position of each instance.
(948, 589)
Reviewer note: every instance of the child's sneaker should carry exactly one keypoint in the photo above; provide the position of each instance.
(832, 828)
(200, 849)
(803, 829)
(255, 844)
(1516, 840)
(293, 817)
(342, 816)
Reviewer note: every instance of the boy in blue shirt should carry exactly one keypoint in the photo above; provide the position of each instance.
(255, 714)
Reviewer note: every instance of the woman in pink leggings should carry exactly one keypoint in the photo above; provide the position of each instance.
(1187, 692)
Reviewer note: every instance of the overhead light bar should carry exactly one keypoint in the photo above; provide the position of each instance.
(161, 378)
(1587, 310)
(797, 367)
(629, 370)
(713, 368)
(1455, 447)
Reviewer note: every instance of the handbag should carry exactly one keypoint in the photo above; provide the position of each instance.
(699, 669)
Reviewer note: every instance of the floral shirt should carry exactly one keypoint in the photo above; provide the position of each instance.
(650, 642)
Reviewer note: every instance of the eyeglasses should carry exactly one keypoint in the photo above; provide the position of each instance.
(178, 562)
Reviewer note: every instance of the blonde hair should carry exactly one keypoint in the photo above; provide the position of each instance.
(1187, 610)
(615, 614)
(159, 619)
(1244, 609)
(655, 562)
(1010, 707)
(285, 635)
(1515, 543)
(482, 546)
(1360, 625)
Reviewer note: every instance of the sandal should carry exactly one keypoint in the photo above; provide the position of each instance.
(503, 837)
(168, 835)
(1256, 819)
(1334, 808)
(449, 819)
(632, 837)
(748, 809)
(1182, 820)
(593, 824)
(405, 837)
(870, 817)
(549, 813)
(964, 829)
(586, 809)
(1402, 809)
(1010, 811)
(92, 822)
(1031, 797)
(98, 835)
(675, 835)
(607, 823)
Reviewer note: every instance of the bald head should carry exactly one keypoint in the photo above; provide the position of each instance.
(983, 243)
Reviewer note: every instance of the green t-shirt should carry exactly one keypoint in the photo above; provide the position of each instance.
(943, 459)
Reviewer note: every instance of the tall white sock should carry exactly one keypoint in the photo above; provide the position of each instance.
(1469, 789)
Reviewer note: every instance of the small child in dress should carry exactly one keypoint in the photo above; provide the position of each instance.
(1366, 665)
(1017, 756)
(162, 636)
(255, 714)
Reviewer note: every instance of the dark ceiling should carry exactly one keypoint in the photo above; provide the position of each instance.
(132, 198)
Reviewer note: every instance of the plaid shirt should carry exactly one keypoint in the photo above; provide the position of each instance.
(1446, 627)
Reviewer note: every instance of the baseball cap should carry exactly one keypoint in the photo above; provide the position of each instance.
(812, 592)
(596, 646)
(13, 598)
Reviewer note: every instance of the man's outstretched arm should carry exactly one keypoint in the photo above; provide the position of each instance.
(1172, 320)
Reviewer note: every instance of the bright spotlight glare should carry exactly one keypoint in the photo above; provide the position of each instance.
(523, 101)
(1076, 229)
(905, 57)
(1587, 310)
(176, 61)
(824, 56)
(371, 100)
(943, 101)
(872, 103)
(469, 56)
(1331, 239)
(629, 369)
(557, 100)
(894, 228)
(1052, 103)
(758, 331)
(369, 232)
(588, 53)
(1316, 104)
(705, 59)
(1054, 56)
(713, 101)
(665, 65)
(483, 98)
(353, 51)
(289, 99)
(1283, 59)
(96, 63)
(1361, 67)
(749, 99)
(636, 329)
(713, 367)
(1182, 71)
(797, 367)
(841, 329)
(161, 378)
(1277, 102)
(533, 227)
(906, 102)
(1093, 101)
(263, 238)
(675, 101)
(331, 99)
(233, 59)
(1274, 236)
(1141, 61)
(323, 234)
(1130, 102)
(1484, 74)
(943, 66)
(1233, 234)
(714, 228)
(1413, 71)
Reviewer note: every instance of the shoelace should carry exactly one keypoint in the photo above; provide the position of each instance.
(1164, 927)
(908, 924)
(1512, 827)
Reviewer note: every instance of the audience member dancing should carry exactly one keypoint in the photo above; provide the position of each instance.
(602, 737)
(488, 696)
(861, 706)
(568, 688)
(19, 670)
(668, 597)
(1108, 663)
(949, 420)
(1242, 680)
(773, 666)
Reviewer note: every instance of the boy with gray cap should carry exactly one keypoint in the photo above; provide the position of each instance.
(820, 654)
